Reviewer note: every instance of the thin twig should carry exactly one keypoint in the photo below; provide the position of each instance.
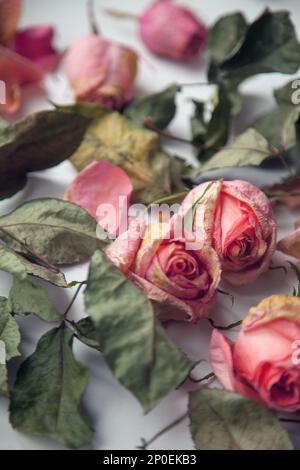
(221, 327)
(92, 20)
(149, 124)
(145, 444)
(74, 298)
(206, 377)
(30, 251)
(120, 14)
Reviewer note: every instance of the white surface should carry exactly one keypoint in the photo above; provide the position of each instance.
(116, 415)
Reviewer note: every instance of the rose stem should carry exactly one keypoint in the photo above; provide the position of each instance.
(145, 444)
(228, 327)
(91, 16)
(74, 298)
(121, 14)
(149, 124)
(287, 420)
(31, 252)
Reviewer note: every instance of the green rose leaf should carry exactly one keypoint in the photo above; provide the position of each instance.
(214, 133)
(26, 297)
(9, 342)
(39, 141)
(249, 148)
(12, 263)
(19, 266)
(270, 45)
(160, 107)
(132, 340)
(226, 36)
(59, 231)
(87, 333)
(46, 396)
(222, 420)
(137, 150)
(281, 125)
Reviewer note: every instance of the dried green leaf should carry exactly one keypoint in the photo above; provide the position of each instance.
(26, 297)
(222, 420)
(59, 231)
(87, 333)
(132, 340)
(160, 107)
(46, 396)
(226, 36)
(249, 148)
(270, 45)
(115, 138)
(39, 141)
(19, 265)
(9, 342)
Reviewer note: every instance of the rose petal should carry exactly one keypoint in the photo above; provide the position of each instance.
(290, 245)
(35, 44)
(16, 71)
(103, 183)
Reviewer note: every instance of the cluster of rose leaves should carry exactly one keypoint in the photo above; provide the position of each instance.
(32, 241)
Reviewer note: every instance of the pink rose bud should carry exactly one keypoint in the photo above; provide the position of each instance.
(103, 190)
(10, 12)
(182, 281)
(35, 44)
(171, 30)
(101, 71)
(264, 362)
(16, 71)
(237, 219)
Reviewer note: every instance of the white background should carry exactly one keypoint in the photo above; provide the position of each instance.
(116, 415)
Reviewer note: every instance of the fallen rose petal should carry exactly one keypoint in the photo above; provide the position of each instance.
(35, 43)
(290, 245)
(171, 30)
(102, 183)
(15, 72)
(101, 71)
(10, 12)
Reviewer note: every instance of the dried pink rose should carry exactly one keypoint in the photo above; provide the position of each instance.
(180, 280)
(98, 189)
(264, 361)
(171, 30)
(236, 218)
(16, 72)
(101, 71)
(10, 12)
(35, 43)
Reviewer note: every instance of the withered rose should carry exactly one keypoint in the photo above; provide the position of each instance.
(237, 220)
(180, 280)
(101, 71)
(171, 30)
(264, 362)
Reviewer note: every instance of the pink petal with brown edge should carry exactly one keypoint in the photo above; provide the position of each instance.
(101, 71)
(102, 183)
(15, 72)
(290, 245)
(10, 12)
(35, 44)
